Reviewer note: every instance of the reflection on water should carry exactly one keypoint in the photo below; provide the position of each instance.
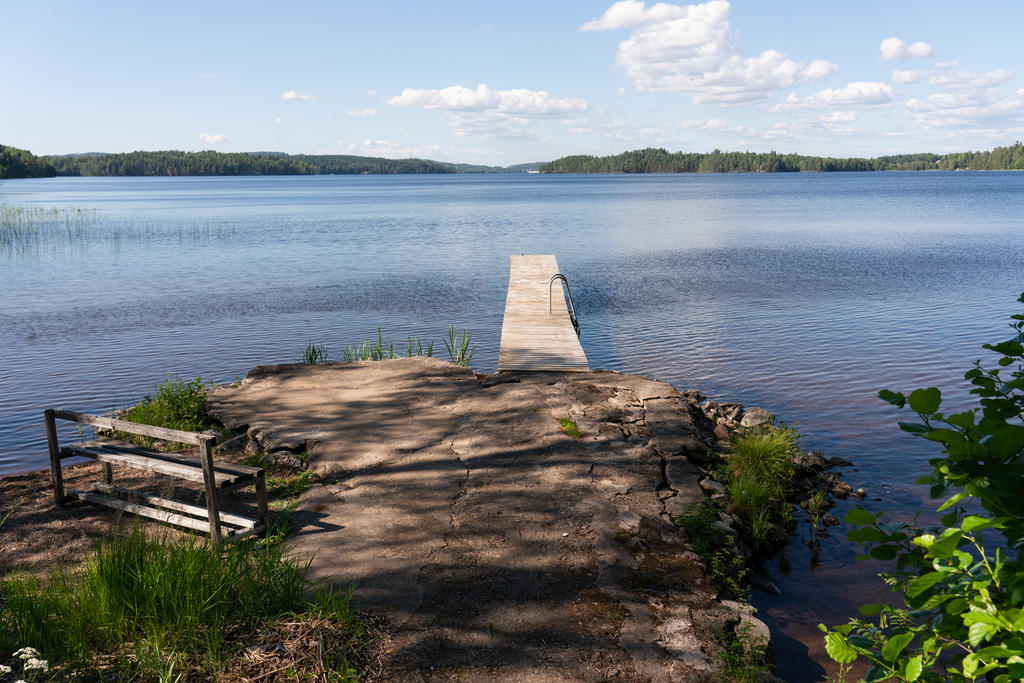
(803, 293)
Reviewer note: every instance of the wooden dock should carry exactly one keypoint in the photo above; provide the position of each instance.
(531, 338)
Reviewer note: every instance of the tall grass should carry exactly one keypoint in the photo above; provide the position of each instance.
(24, 229)
(385, 349)
(314, 353)
(459, 347)
(185, 600)
(758, 466)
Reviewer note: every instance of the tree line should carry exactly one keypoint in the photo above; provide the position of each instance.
(657, 160)
(209, 163)
(20, 163)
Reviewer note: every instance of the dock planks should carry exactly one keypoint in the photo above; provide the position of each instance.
(532, 339)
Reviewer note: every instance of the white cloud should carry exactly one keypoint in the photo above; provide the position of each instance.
(276, 120)
(966, 79)
(715, 126)
(292, 95)
(894, 48)
(387, 149)
(860, 94)
(907, 76)
(212, 138)
(484, 28)
(207, 76)
(485, 112)
(691, 50)
(460, 98)
(362, 112)
(962, 108)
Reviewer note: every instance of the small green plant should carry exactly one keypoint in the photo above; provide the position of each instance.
(314, 353)
(962, 617)
(291, 486)
(570, 427)
(744, 657)
(718, 549)
(459, 347)
(815, 508)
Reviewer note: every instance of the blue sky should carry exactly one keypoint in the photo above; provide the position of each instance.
(506, 82)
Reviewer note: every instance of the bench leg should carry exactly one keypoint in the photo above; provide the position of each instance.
(261, 502)
(108, 473)
(206, 457)
(55, 472)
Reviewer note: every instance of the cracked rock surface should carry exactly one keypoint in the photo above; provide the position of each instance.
(494, 545)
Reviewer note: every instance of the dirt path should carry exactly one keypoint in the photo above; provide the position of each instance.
(495, 545)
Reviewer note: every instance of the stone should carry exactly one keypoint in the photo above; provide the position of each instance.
(755, 417)
(683, 475)
(234, 447)
(753, 632)
(712, 486)
(722, 432)
(836, 461)
(841, 489)
(724, 528)
(286, 459)
(761, 581)
(860, 493)
(828, 519)
(629, 521)
(810, 462)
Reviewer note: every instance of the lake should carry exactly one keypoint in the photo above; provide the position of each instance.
(801, 293)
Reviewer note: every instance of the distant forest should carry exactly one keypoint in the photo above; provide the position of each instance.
(175, 163)
(652, 160)
(20, 163)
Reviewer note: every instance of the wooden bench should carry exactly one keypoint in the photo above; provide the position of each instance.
(215, 476)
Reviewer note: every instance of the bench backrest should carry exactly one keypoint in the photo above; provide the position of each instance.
(176, 435)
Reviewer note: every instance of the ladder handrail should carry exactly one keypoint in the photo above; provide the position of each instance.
(572, 308)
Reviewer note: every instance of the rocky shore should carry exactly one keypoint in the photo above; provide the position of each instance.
(494, 541)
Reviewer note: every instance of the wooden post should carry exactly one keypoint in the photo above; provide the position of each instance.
(206, 457)
(55, 472)
(261, 502)
(108, 473)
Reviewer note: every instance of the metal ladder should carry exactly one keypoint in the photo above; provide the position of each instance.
(572, 308)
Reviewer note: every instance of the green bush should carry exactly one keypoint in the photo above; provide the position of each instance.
(961, 588)
(176, 405)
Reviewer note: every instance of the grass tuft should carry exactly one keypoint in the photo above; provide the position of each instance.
(459, 347)
(758, 466)
(314, 353)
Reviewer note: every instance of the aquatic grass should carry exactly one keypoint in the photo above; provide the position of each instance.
(459, 347)
(162, 604)
(766, 454)
(385, 349)
(416, 348)
(314, 353)
(27, 229)
(758, 464)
